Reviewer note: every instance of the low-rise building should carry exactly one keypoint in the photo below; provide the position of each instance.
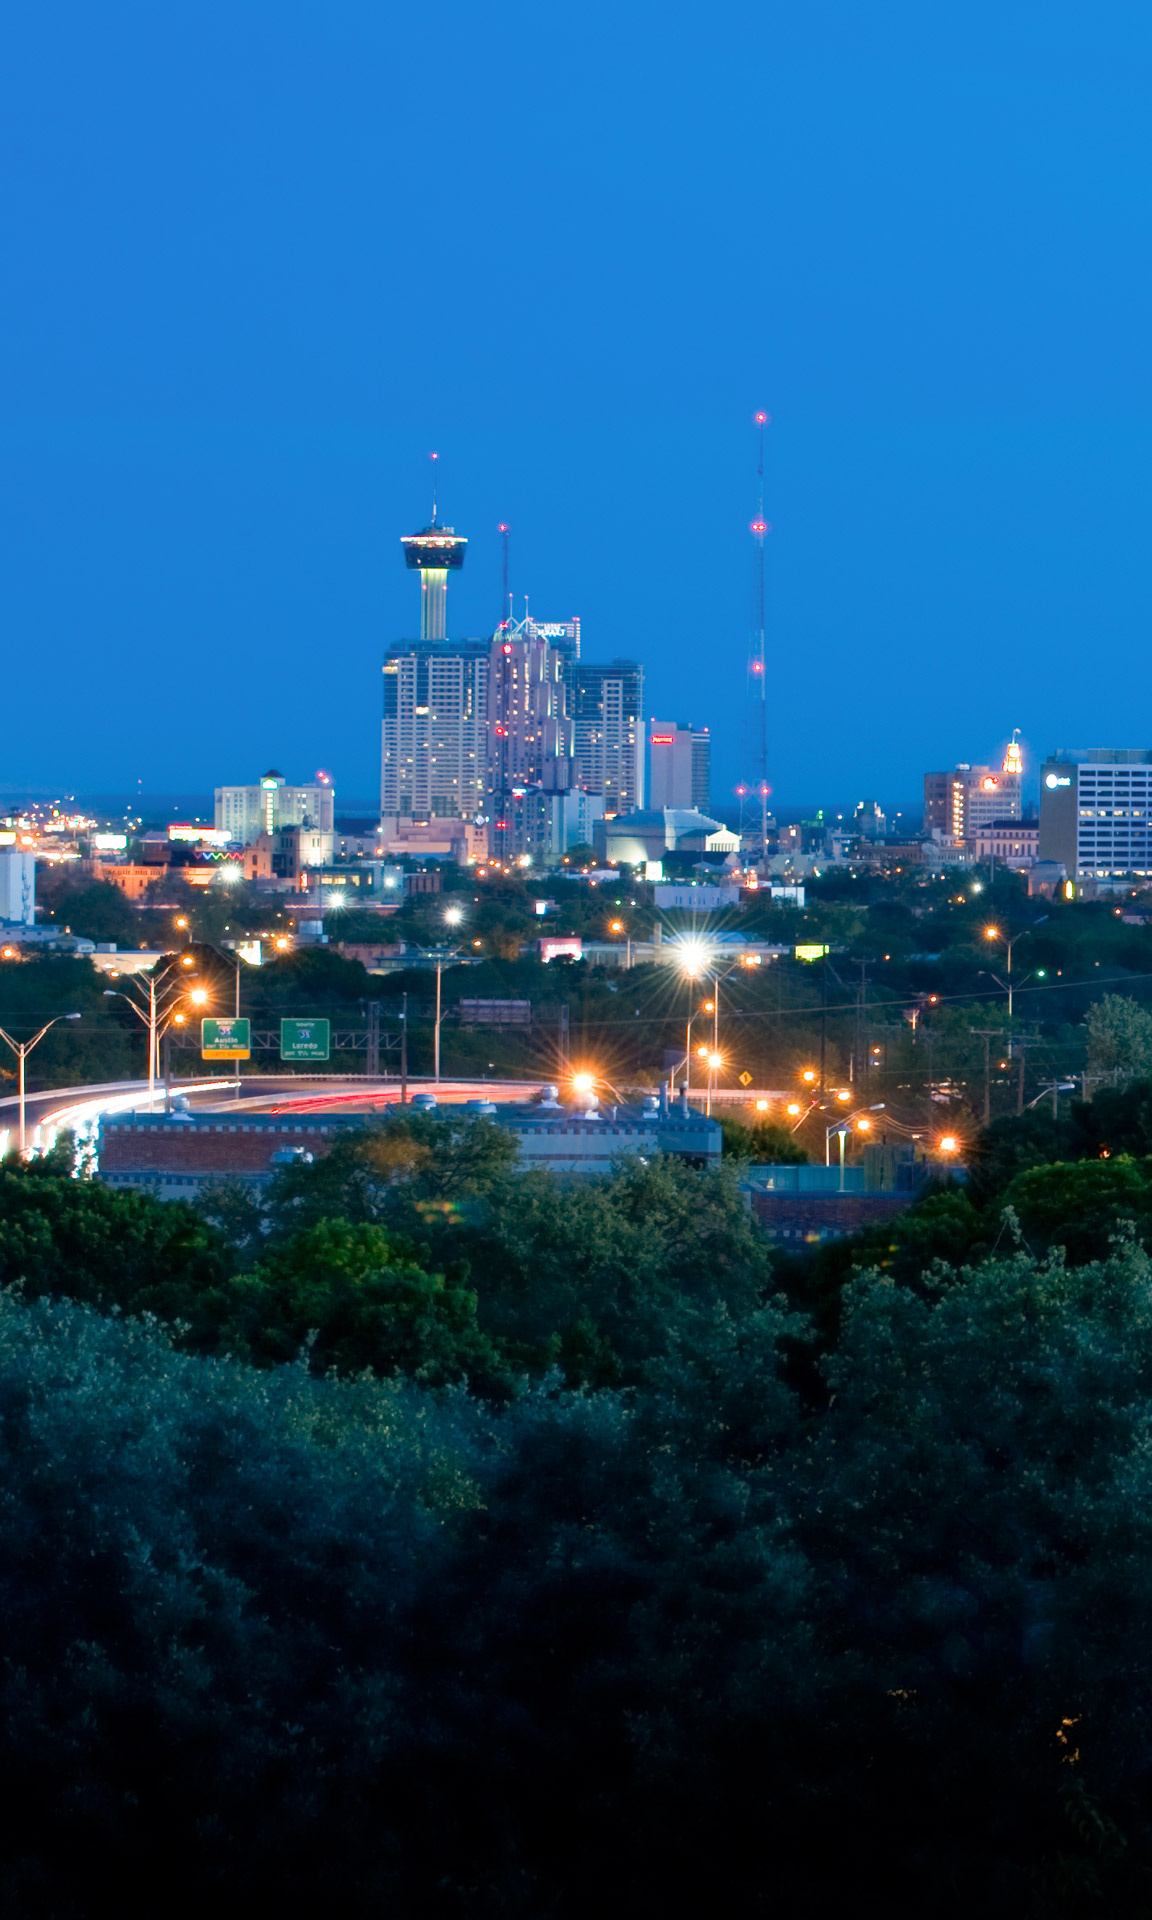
(176, 1156)
(1015, 843)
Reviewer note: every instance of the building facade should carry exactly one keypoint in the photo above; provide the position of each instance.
(607, 711)
(679, 765)
(1096, 812)
(434, 758)
(17, 887)
(244, 813)
(957, 805)
(1013, 842)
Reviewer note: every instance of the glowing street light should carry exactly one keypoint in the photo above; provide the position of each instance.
(22, 1048)
(949, 1143)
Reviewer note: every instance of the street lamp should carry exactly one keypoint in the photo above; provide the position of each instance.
(22, 1048)
(152, 1015)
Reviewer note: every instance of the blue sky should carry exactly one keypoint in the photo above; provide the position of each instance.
(257, 261)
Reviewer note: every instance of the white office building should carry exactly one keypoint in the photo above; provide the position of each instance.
(1096, 812)
(17, 887)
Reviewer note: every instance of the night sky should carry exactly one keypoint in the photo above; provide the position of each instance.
(258, 261)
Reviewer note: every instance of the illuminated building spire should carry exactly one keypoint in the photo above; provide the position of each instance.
(434, 552)
(1013, 762)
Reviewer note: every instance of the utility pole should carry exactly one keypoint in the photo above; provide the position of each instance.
(373, 1007)
(987, 1034)
(403, 1049)
(823, 1016)
(564, 1040)
(1022, 1047)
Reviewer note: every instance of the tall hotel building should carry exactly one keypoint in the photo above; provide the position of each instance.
(1096, 812)
(434, 758)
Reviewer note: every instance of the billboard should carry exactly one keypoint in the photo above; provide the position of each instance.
(226, 1039)
(304, 1039)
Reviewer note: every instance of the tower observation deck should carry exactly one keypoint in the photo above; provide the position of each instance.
(434, 552)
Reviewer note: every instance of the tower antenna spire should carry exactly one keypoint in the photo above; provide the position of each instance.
(433, 457)
(758, 664)
(505, 602)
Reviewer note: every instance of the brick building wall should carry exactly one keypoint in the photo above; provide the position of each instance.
(807, 1217)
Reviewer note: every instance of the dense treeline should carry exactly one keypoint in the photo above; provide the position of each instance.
(549, 1556)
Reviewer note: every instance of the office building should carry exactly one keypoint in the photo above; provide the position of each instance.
(244, 813)
(959, 804)
(435, 728)
(679, 768)
(17, 886)
(530, 734)
(607, 710)
(1096, 812)
(529, 731)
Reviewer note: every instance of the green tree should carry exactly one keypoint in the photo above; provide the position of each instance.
(361, 1301)
(1080, 1206)
(763, 1140)
(1119, 1037)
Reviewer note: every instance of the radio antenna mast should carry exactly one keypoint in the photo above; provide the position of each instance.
(505, 605)
(758, 663)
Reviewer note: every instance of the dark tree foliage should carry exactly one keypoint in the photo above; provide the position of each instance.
(763, 1140)
(689, 1647)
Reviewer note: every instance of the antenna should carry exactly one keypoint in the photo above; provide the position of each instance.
(758, 663)
(505, 603)
(433, 457)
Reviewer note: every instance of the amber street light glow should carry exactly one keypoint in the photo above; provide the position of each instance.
(949, 1143)
(583, 1082)
(794, 1107)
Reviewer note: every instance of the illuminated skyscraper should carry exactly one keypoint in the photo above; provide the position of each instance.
(607, 707)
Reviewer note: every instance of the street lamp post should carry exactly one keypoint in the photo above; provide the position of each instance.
(153, 1017)
(22, 1048)
(452, 918)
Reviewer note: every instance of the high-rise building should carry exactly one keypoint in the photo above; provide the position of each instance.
(245, 813)
(434, 749)
(680, 765)
(607, 711)
(959, 804)
(1096, 812)
(529, 731)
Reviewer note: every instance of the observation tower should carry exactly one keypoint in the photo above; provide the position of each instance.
(434, 552)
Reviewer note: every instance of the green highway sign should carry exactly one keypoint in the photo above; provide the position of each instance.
(226, 1039)
(304, 1039)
